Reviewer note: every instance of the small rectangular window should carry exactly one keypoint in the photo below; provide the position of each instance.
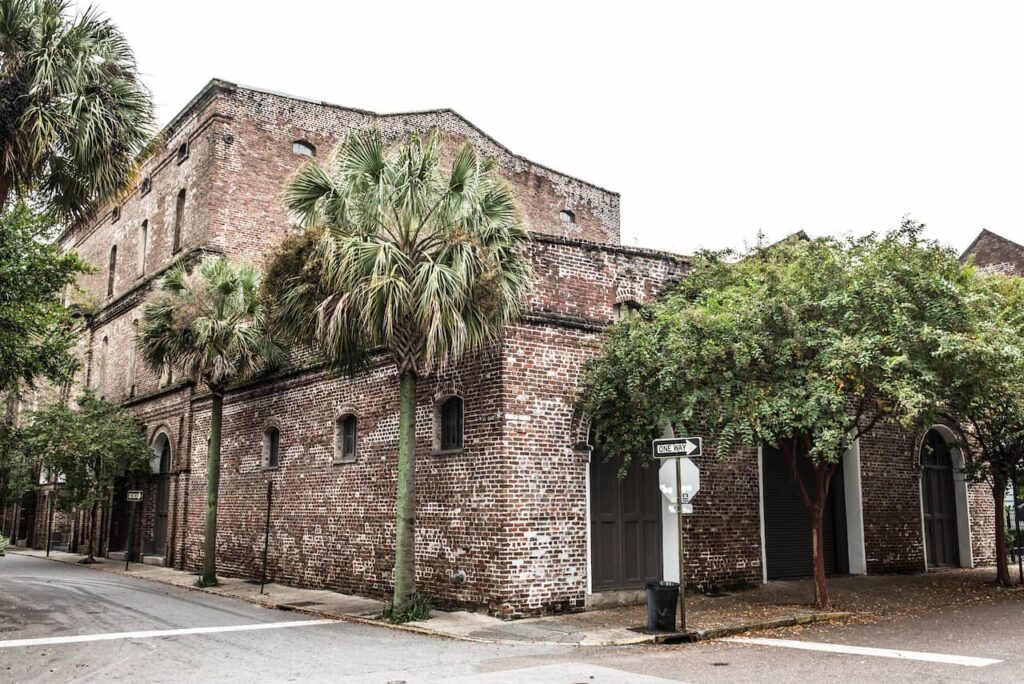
(143, 245)
(271, 447)
(451, 424)
(179, 217)
(111, 269)
(345, 439)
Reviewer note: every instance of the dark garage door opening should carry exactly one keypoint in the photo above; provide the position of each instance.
(787, 522)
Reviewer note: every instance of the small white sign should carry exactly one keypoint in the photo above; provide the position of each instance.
(135, 495)
(690, 477)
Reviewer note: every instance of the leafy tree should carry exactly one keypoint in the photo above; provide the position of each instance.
(985, 396)
(419, 262)
(73, 115)
(16, 465)
(36, 329)
(90, 447)
(804, 345)
(211, 324)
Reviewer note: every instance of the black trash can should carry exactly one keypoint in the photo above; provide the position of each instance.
(662, 598)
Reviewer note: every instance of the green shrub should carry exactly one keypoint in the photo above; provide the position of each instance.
(418, 609)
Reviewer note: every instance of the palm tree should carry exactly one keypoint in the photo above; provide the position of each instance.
(211, 324)
(416, 261)
(74, 117)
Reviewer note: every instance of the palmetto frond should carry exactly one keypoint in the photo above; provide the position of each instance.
(74, 116)
(210, 323)
(424, 262)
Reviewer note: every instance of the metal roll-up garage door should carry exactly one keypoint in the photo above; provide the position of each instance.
(787, 522)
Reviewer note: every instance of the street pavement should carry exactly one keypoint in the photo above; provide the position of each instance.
(64, 623)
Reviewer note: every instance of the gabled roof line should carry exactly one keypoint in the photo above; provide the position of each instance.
(986, 231)
(229, 86)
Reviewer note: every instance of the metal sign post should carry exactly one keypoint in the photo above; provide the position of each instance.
(679, 518)
(681, 449)
(134, 497)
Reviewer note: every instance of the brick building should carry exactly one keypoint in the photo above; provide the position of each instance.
(522, 517)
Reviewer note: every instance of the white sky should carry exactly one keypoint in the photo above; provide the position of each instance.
(713, 120)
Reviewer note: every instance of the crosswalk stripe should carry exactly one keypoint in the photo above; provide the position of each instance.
(969, 661)
(152, 633)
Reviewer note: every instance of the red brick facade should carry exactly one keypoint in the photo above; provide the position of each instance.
(503, 523)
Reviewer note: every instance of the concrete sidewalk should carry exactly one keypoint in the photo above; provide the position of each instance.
(779, 604)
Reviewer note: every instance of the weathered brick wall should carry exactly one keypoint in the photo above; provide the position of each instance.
(332, 524)
(983, 523)
(891, 486)
(254, 166)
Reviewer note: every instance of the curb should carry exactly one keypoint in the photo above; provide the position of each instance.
(668, 638)
(719, 632)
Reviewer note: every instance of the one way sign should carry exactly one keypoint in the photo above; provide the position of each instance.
(677, 447)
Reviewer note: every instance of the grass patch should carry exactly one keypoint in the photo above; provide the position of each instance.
(203, 584)
(417, 609)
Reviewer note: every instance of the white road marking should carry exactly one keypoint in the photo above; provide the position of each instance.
(969, 661)
(152, 633)
(558, 674)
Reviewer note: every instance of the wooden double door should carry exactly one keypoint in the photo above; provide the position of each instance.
(625, 524)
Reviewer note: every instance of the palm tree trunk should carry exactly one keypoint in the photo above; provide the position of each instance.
(405, 529)
(5, 191)
(209, 577)
(1002, 565)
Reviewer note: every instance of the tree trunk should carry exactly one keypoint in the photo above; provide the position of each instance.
(815, 501)
(405, 528)
(93, 529)
(817, 511)
(209, 577)
(1002, 566)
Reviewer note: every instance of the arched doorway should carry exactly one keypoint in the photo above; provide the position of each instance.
(939, 506)
(161, 450)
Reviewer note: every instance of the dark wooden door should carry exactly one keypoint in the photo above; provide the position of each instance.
(163, 497)
(27, 519)
(625, 524)
(119, 518)
(939, 502)
(787, 522)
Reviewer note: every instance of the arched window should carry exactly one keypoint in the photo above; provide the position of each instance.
(304, 148)
(182, 153)
(146, 186)
(115, 214)
(566, 216)
(143, 245)
(271, 447)
(450, 424)
(345, 439)
(625, 310)
(111, 267)
(179, 218)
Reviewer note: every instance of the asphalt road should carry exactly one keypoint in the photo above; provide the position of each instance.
(103, 627)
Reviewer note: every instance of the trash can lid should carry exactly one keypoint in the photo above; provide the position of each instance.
(663, 584)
